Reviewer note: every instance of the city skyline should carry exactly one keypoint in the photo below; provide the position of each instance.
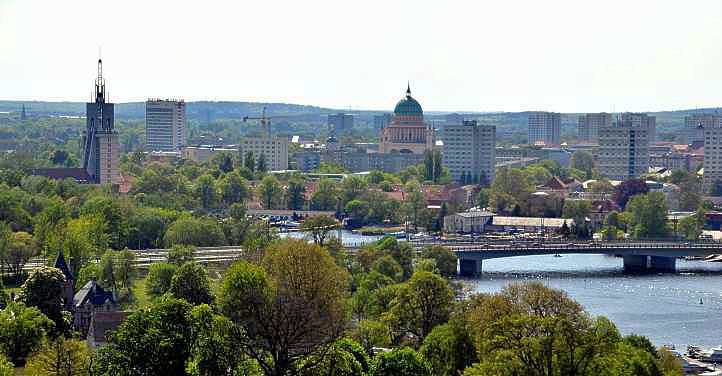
(511, 56)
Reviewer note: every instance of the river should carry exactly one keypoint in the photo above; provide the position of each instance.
(664, 307)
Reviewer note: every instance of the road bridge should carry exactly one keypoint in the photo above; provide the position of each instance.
(639, 256)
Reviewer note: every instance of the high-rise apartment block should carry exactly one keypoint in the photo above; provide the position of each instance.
(589, 125)
(469, 150)
(712, 156)
(695, 125)
(545, 128)
(274, 150)
(641, 120)
(165, 125)
(340, 123)
(624, 150)
(100, 140)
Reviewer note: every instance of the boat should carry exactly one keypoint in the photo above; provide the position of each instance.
(713, 355)
(397, 235)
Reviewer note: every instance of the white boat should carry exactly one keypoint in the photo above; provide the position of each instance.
(713, 355)
(397, 235)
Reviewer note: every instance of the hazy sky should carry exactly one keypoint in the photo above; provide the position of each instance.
(509, 55)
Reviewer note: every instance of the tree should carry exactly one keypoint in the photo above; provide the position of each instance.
(225, 163)
(61, 357)
(6, 367)
(150, 342)
(22, 330)
(414, 202)
(583, 161)
(262, 167)
(428, 165)
(159, 277)
(450, 348)
(269, 192)
(387, 266)
(438, 166)
(511, 187)
(44, 289)
(648, 215)
(290, 307)
(344, 358)
(214, 349)
(628, 188)
(445, 259)
(372, 334)
(18, 252)
(233, 189)
(206, 191)
(692, 226)
(612, 223)
(319, 226)
(482, 199)
(295, 191)
(326, 195)
(180, 254)
(422, 303)
(400, 362)
(715, 189)
(690, 196)
(192, 231)
(125, 267)
(108, 276)
(249, 161)
(351, 188)
(357, 211)
(578, 210)
(190, 282)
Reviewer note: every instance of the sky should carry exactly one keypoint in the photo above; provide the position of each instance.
(505, 55)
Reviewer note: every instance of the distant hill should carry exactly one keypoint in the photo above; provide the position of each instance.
(207, 110)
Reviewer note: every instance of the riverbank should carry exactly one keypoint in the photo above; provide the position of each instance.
(377, 230)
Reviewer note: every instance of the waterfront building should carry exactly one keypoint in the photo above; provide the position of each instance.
(641, 120)
(589, 126)
(712, 156)
(624, 150)
(340, 123)
(545, 128)
(695, 125)
(274, 149)
(407, 132)
(469, 150)
(165, 124)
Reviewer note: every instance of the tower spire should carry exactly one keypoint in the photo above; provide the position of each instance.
(408, 89)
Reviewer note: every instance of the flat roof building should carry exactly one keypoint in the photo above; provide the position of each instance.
(469, 151)
(545, 128)
(165, 125)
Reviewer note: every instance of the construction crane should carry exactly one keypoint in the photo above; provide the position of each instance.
(265, 121)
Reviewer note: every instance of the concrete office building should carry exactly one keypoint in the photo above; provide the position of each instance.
(274, 149)
(695, 125)
(165, 124)
(469, 150)
(641, 120)
(545, 128)
(340, 123)
(589, 126)
(712, 156)
(308, 160)
(624, 150)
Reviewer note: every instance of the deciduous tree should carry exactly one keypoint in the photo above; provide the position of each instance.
(191, 282)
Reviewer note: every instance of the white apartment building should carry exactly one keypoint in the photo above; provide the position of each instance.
(712, 156)
(623, 150)
(275, 151)
(470, 150)
(589, 126)
(695, 125)
(165, 124)
(545, 127)
(641, 120)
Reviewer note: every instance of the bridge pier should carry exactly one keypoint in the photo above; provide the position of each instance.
(470, 267)
(649, 264)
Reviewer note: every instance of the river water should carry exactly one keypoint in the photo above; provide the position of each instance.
(664, 307)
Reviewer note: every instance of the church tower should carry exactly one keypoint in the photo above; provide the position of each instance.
(69, 287)
(23, 115)
(100, 141)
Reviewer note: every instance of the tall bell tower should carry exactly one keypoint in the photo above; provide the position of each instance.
(100, 141)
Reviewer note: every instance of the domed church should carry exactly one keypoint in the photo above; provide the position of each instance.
(407, 132)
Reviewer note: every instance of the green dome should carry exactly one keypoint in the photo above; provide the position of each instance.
(408, 106)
